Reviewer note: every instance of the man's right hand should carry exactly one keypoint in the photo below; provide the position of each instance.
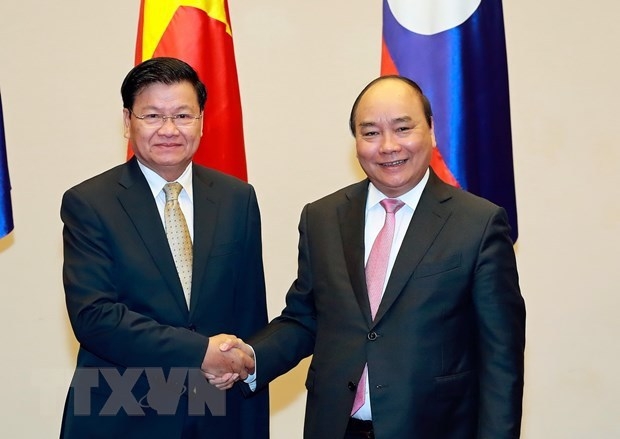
(227, 360)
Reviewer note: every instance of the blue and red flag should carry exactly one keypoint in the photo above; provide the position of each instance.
(6, 214)
(456, 51)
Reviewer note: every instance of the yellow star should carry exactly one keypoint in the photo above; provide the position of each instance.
(158, 13)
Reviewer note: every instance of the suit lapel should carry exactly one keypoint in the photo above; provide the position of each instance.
(428, 219)
(351, 217)
(205, 219)
(138, 202)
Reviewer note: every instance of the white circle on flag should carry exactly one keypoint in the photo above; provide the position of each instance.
(428, 17)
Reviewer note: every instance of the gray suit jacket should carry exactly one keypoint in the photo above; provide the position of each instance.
(445, 351)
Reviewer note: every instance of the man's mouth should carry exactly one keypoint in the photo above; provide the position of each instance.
(393, 164)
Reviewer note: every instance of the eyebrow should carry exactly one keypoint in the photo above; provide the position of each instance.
(155, 108)
(402, 119)
(366, 124)
(393, 121)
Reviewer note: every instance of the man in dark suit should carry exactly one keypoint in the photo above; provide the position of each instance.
(440, 354)
(146, 338)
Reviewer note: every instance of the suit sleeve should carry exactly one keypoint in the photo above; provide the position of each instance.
(501, 332)
(251, 312)
(290, 337)
(252, 304)
(102, 322)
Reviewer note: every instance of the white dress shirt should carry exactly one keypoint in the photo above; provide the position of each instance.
(375, 217)
(186, 197)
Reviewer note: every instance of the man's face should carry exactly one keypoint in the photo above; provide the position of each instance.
(393, 140)
(166, 149)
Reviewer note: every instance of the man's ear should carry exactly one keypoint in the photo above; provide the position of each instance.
(126, 123)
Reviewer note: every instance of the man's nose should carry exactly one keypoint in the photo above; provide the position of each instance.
(390, 143)
(168, 126)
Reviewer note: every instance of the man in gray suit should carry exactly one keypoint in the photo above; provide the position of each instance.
(146, 336)
(439, 354)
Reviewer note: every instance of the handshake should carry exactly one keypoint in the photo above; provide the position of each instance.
(227, 360)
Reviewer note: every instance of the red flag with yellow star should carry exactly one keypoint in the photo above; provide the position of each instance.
(199, 33)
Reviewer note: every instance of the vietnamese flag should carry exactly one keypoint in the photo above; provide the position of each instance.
(199, 33)
(456, 51)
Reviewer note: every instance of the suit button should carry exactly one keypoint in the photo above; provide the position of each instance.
(352, 386)
(192, 328)
(372, 336)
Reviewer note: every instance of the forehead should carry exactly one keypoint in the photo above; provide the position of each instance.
(160, 94)
(390, 95)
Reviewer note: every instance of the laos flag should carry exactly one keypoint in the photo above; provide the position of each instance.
(456, 51)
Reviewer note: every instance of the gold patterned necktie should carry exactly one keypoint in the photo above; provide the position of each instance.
(178, 237)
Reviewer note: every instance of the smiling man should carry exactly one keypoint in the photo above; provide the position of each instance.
(393, 128)
(407, 294)
(161, 254)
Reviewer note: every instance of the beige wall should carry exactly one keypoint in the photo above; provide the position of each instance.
(300, 66)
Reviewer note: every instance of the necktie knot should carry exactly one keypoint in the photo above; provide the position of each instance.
(172, 191)
(391, 205)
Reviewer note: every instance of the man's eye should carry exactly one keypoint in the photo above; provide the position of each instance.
(402, 129)
(184, 116)
(370, 133)
(152, 116)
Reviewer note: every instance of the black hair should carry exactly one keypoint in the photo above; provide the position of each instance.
(160, 70)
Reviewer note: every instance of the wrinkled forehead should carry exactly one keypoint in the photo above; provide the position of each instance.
(389, 97)
(391, 89)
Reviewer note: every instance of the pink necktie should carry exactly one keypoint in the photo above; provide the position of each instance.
(376, 269)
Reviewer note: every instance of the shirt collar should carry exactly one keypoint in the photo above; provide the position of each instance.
(156, 182)
(410, 198)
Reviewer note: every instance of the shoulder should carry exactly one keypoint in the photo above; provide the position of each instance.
(457, 198)
(355, 191)
(215, 179)
(100, 183)
(220, 188)
(464, 210)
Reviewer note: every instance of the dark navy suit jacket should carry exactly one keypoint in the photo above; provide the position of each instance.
(445, 351)
(128, 312)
